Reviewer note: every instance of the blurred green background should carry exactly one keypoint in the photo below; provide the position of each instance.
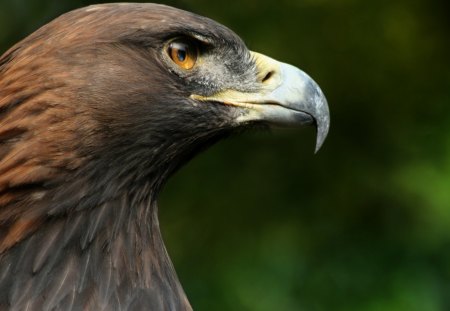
(260, 223)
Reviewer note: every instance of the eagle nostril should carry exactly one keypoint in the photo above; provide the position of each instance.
(267, 76)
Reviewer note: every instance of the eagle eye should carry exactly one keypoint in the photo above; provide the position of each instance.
(183, 52)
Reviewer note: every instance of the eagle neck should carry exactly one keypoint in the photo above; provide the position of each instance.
(134, 254)
(111, 257)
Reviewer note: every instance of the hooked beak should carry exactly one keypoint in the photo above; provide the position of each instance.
(287, 97)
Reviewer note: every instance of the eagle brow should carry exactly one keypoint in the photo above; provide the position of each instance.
(202, 37)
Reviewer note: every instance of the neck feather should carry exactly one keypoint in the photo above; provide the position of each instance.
(111, 257)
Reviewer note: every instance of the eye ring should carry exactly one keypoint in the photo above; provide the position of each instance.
(183, 53)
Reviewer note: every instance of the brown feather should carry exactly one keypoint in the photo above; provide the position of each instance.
(18, 231)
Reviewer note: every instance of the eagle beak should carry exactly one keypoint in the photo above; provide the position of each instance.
(292, 97)
(286, 97)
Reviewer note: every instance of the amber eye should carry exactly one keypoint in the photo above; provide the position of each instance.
(183, 53)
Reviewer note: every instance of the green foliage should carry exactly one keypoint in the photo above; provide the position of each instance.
(260, 223)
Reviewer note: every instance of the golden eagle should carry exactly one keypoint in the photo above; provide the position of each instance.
(97, 109)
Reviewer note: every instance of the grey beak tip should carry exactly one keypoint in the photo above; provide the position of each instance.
(321, 135)
(322, 123)
(319, 141)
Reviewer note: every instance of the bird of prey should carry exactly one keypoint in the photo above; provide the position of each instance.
(97, 109)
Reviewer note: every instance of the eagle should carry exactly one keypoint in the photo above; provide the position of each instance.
(98, 108)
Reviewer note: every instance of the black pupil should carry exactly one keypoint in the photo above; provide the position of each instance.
(181, 54)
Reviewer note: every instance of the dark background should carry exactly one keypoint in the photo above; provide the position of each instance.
(260, 223)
